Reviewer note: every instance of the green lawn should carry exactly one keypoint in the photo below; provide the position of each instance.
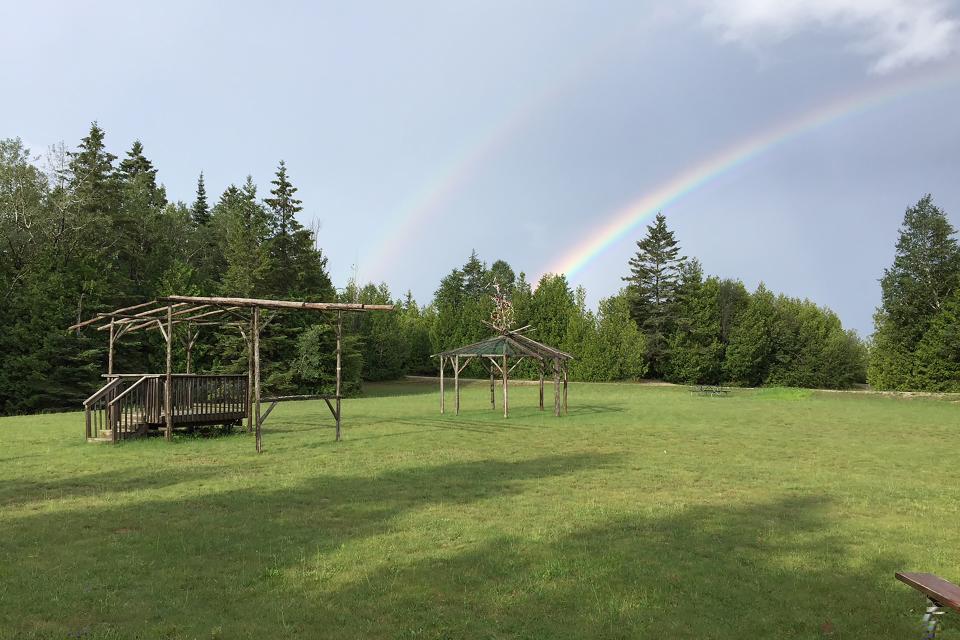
(647, 512)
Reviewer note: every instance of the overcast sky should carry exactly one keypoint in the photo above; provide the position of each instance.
(418, 131)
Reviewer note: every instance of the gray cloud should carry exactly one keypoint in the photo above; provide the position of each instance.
(894, 33)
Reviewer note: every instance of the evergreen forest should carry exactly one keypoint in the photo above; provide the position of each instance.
(83, 230)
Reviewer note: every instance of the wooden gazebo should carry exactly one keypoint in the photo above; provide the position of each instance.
(502, 353)
(131, 404)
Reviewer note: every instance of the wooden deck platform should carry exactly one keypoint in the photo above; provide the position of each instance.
(132, 405)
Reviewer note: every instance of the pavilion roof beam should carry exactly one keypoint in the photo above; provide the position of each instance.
(151, 324)
(101, 316)
(279, 304)
(141, 316)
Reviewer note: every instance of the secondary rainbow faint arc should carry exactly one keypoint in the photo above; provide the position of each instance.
(430, 201)
(690, 179)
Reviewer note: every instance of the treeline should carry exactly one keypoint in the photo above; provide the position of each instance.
(89, 232)
(669, 322)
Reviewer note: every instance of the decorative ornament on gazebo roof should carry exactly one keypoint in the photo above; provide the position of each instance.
(501, 317)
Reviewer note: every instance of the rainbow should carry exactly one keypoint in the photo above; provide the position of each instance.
(415, 213)
(625, 219)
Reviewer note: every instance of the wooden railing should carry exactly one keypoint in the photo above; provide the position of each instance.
(135, 408)
(95, 408)
(207, 398)
(129, 404)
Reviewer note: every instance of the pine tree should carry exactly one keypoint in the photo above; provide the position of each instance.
(92, 179)
(246, 226)
(142, 249)
(137, 172)
(299, 269)
(654, 278)
(200, 212)
(925, 273)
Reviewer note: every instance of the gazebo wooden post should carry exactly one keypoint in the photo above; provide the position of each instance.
(339, 330)
(255, 330)
(168, 390)
(566, 380)
(493, 386)
(442, 359)
(506, 394)
(456, 384)
(556, 388)
(541, 384)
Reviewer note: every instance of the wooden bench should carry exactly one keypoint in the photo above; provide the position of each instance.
(939, 591)
(941, 594)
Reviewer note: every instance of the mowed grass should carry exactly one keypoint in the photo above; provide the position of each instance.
(647, 512)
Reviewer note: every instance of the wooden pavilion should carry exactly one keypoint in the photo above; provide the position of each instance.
(131, 404)
(497, 353)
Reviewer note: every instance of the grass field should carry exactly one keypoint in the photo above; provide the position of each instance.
(647, 512)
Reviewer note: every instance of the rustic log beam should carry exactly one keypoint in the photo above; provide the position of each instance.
(442, 358)
(279, 304)
(101, 316)
(149, 323)
(456, 384)
(157, 313)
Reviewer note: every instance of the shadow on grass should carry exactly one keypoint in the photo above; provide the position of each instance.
(771, 570)
(116, 481)
(266, 562)
(150, 559)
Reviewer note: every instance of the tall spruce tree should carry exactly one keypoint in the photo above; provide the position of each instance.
(924, 275)
(93, 182)
(142, 249)
(652, 288)
(299, 269)
(200, 211)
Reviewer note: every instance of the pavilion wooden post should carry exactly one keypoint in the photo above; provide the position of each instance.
(339, 330)
(110, 354)
(566, 379)
(249, 340)
(168, 387)
(506, 395)
(456, 384)
(255, 330)
(442, 359)
(493, 386)
(541, 385)
(190, 340)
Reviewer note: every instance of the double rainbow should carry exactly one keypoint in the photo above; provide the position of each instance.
(624, 220)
